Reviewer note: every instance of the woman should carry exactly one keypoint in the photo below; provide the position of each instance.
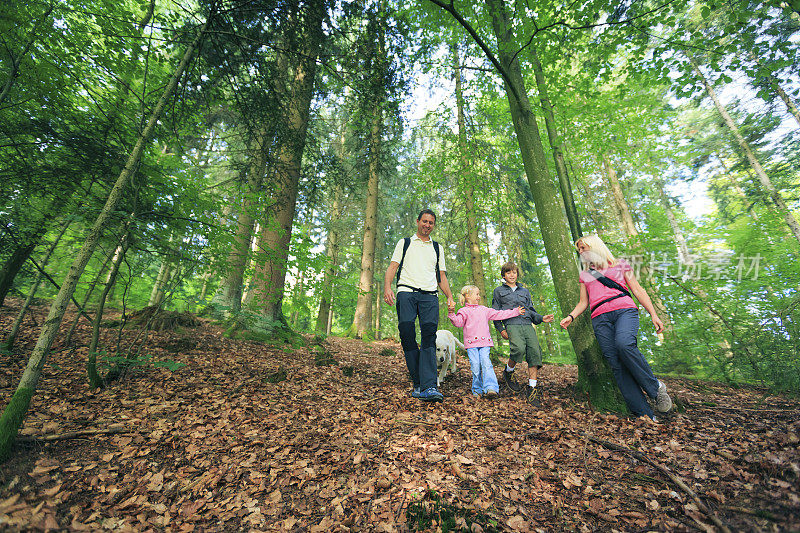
(606, 286)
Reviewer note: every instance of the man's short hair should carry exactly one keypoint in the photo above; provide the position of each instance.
(508, 267)
(426, 212)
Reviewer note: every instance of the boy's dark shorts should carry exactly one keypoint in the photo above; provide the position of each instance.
(524, 344)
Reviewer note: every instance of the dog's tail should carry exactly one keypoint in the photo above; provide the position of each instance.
(458, 342)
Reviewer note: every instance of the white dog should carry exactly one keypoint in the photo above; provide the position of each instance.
(446, 344)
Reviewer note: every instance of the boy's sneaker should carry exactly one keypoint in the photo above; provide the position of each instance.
(663, 401)
(490, 395)
(431, 395)
(533, 395)
(415, 392)
(508, 379)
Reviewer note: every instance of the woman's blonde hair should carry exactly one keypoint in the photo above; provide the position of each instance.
(604, 258)
(466, 289)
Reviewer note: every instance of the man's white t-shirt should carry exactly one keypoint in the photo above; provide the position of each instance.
(419, 266)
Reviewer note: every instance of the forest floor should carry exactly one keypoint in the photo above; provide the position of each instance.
(250, 436)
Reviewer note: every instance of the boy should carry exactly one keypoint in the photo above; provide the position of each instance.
(520, 332)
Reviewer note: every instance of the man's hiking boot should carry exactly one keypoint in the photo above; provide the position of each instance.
(431, 395)
(490, 395)
(415, 392)
(508, 379)
(533, 395)
(663, 401)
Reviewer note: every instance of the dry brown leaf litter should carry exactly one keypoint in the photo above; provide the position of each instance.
(215, 446)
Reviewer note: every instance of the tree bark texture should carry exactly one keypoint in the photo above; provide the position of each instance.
(594, 375)
(17, 408)
(273, 253)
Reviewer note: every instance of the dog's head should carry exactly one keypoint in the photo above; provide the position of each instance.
(441, 355)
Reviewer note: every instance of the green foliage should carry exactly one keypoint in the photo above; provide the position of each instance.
(431, 511)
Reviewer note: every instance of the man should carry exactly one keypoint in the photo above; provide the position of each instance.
(520, 332)
(420, 267)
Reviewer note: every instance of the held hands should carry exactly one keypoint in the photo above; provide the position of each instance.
(504, 334)
(451, 306)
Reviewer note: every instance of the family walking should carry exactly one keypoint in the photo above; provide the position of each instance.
(606, 287)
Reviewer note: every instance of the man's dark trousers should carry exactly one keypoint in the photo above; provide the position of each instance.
(421, 361)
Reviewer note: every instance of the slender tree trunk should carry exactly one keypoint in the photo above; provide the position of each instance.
(17, 407)
(332, 251)
(362, 320)
(91, 364)
(634, 241)
(468, 179)
(594, 375)
(555, 144)
(157, 294)
(776, 86)
(766, 183)
(12, 336)
(85, 302)
(270, 272)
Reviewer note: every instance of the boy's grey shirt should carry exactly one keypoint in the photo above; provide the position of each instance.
(504, 297)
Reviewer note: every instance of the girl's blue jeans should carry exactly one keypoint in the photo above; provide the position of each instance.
(616, 333)
(483, 377)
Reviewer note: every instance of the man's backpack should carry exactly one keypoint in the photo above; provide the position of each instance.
(406, 244)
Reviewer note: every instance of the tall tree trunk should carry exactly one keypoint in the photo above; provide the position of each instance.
(17, 407)
(776, 86)
(635, 243)
(12, 336)
(270, 272)
(555, 144)
(594, 375)
(362, 320)
(766, 183)
(229, 292)
(468, 176)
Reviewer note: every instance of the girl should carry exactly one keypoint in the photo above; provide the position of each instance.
(606, 285)
(475, 319)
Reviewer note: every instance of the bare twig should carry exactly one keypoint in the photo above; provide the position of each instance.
(666, 471)
(111, 430)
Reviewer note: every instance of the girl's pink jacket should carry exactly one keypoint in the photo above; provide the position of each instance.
(475, 321)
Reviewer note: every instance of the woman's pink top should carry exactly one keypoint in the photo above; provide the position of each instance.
(475, 319)
(599, 292)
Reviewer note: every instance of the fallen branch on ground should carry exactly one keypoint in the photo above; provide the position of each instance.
(75, 434)
(666, 471)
